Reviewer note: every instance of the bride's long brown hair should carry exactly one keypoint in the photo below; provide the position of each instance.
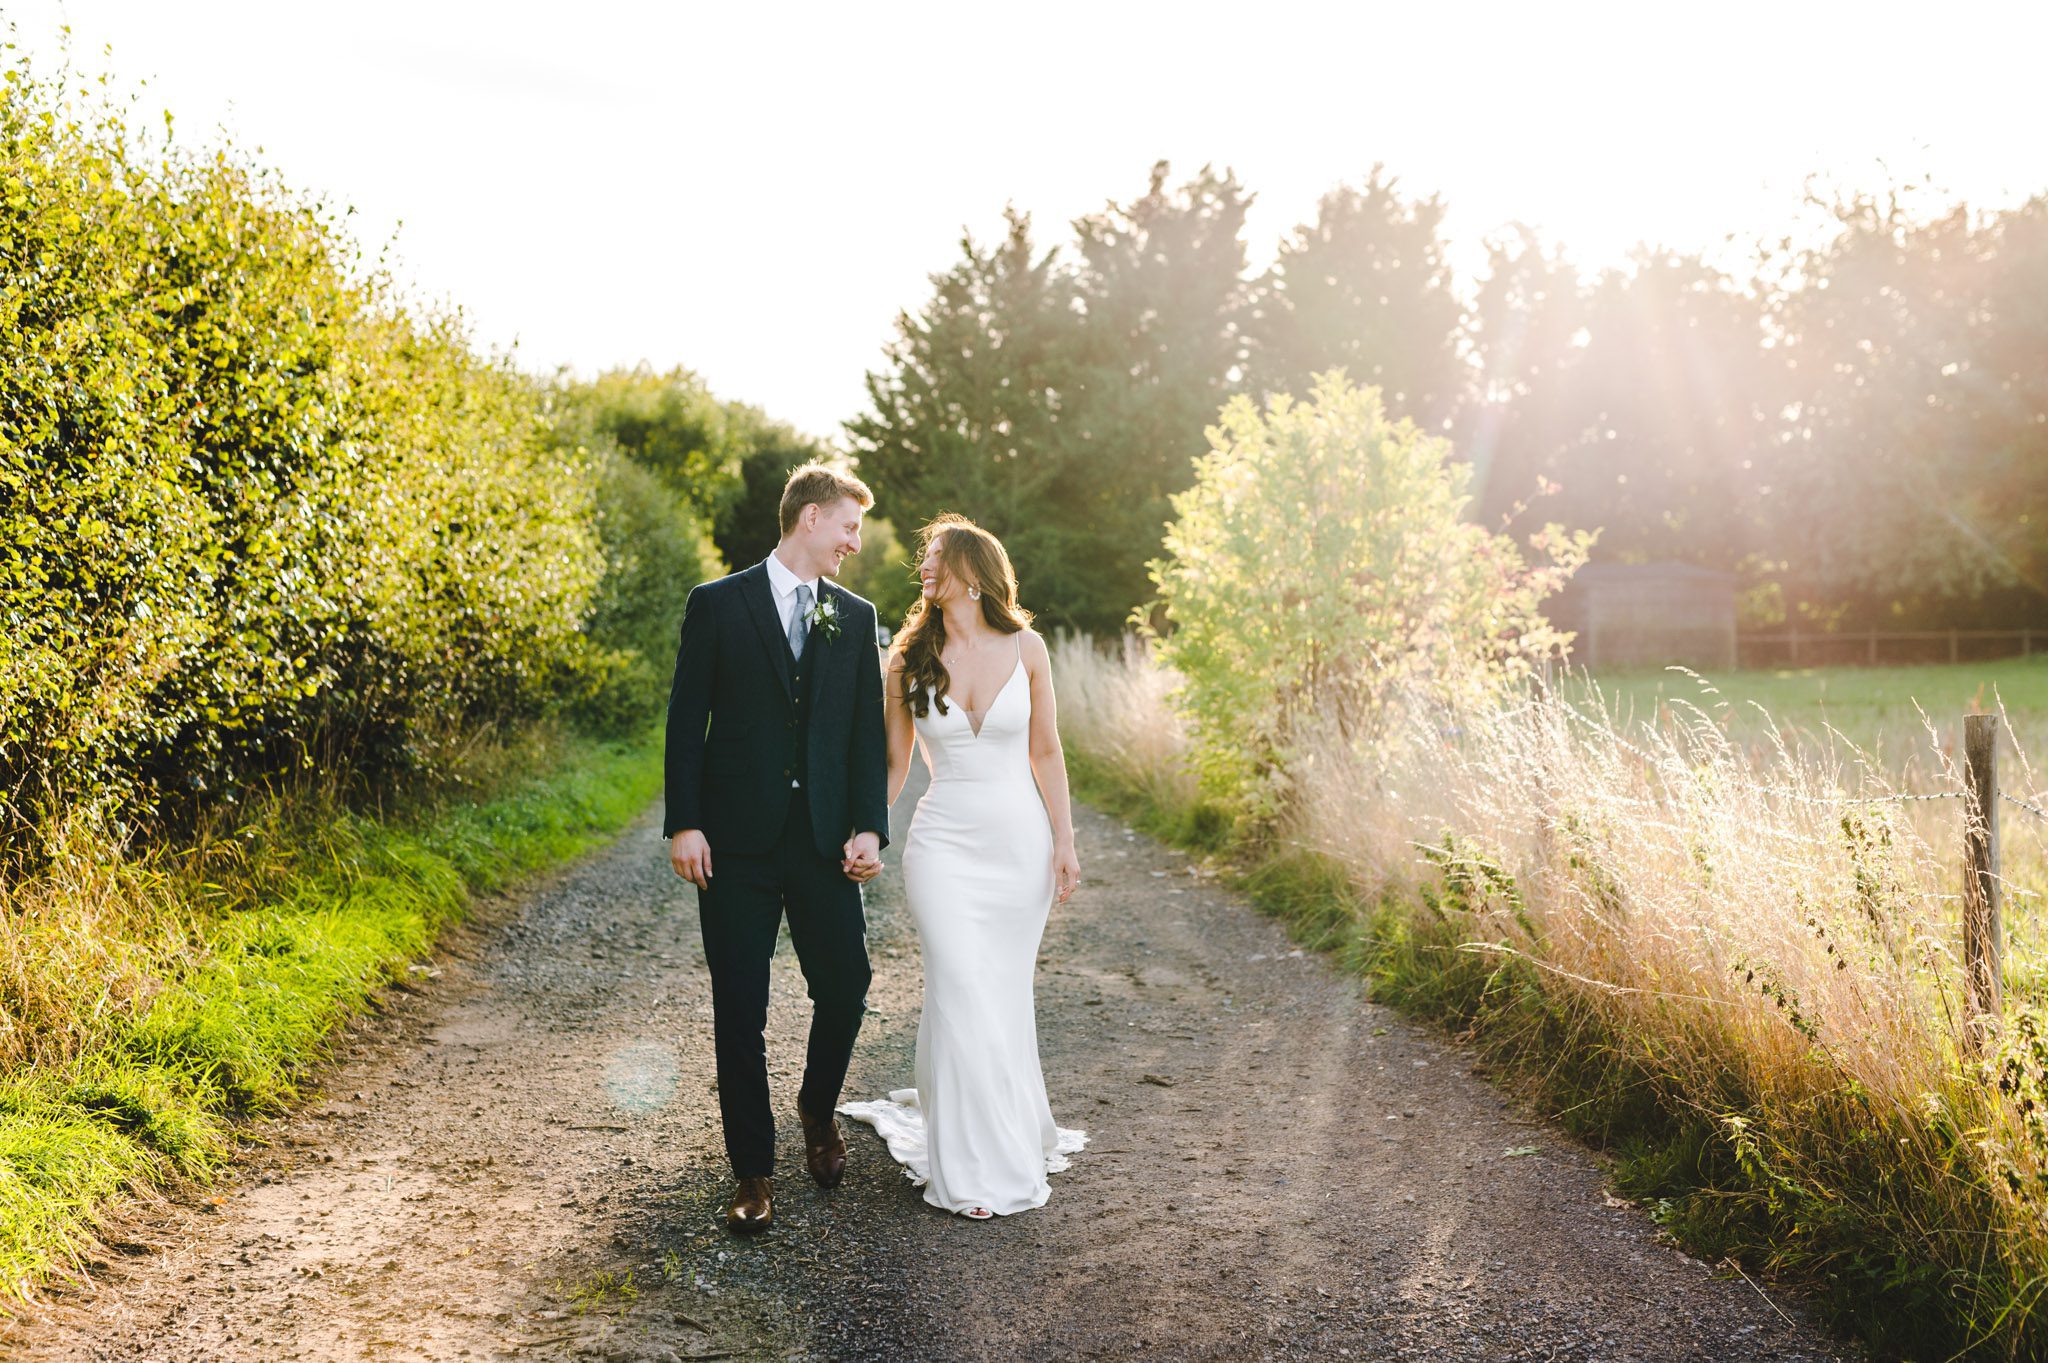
(974, 558)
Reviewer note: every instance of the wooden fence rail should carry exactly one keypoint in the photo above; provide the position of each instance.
(1871, 646)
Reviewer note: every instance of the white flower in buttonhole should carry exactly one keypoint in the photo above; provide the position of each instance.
(641, 1077)
(824, 617)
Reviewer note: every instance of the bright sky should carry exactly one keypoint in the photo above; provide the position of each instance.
(754, 191)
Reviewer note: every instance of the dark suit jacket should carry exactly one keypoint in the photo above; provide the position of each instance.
(731, 708)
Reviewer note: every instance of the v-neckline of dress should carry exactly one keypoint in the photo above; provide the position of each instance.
(973, 728)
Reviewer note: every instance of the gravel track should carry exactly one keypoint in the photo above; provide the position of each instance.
(518, 1157)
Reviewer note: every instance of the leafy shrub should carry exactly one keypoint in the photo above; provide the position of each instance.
(655, 550)
(253, 513)
(1320, 567)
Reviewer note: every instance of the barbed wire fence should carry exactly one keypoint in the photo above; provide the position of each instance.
(2028, 805)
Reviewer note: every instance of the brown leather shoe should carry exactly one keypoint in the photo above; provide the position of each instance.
(824, 1148)
(752, 1206)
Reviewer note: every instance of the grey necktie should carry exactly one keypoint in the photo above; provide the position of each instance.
(800, 621)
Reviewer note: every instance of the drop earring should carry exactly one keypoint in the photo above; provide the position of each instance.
(974, 593)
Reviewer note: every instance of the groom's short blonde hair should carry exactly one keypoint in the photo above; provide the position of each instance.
(823, 485)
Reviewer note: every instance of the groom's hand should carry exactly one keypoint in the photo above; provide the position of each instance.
(691, 857)
(862, 857)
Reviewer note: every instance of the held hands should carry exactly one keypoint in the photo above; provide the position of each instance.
(1066, 871)
(861, 858)
(690, 855)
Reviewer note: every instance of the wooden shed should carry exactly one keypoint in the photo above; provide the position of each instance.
(1648, 615)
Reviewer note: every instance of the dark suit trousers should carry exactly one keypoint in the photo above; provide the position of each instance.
(741, 913)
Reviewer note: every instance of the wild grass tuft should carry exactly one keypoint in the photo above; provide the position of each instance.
(598, 1290)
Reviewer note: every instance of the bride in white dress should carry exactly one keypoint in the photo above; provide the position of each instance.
(990, 848)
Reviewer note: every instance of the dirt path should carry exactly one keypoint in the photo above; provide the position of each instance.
(519, 1159)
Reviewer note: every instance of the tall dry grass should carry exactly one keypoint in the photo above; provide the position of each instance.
(82, 946)
(1117, 722)
(1739, 962)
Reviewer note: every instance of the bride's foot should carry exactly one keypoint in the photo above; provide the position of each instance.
(977, 1213)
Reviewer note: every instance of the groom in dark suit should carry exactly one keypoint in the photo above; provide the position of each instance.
(776, 766)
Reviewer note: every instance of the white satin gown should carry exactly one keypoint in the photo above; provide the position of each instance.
(977, 1130)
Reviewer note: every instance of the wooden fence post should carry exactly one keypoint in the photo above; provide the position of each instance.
(1983, 937)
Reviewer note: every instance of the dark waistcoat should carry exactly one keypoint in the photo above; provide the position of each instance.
(796, 751)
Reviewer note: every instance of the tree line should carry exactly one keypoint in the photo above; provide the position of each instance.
(1857, 426)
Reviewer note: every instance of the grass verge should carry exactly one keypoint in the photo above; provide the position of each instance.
(1730, 961)
(234, 964)
(1714, 1187)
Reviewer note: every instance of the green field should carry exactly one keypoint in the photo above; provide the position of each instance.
(1878, 708)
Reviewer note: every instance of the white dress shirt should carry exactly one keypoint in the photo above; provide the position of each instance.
(784, 583)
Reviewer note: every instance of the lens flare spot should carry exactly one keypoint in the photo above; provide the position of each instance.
(640, 1077)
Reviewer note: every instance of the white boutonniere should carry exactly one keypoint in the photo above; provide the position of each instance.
(824, 618)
